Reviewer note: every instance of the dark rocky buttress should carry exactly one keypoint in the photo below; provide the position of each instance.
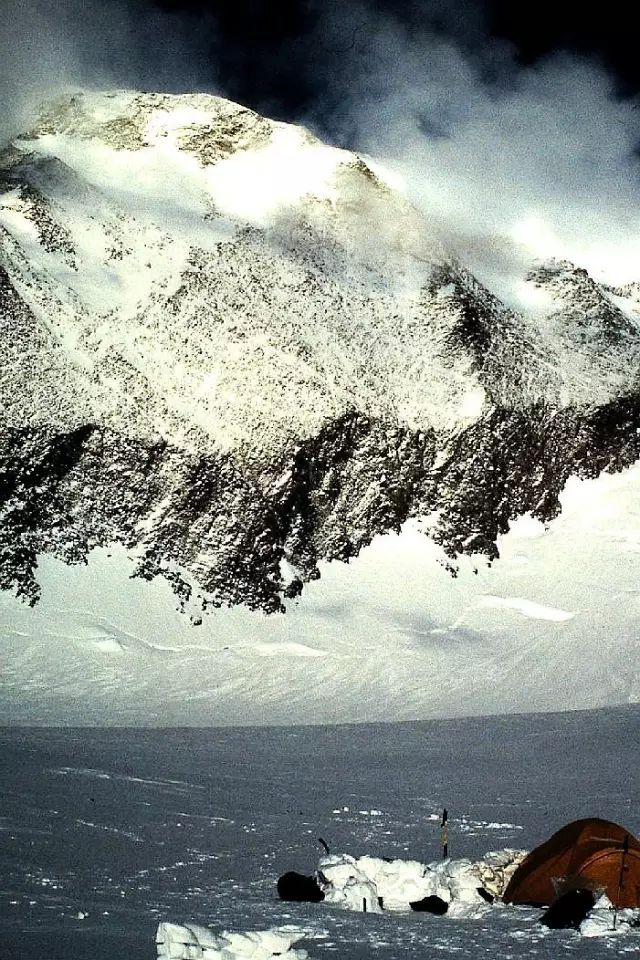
(226, 525)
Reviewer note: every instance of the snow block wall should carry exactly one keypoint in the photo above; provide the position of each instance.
(376, 884)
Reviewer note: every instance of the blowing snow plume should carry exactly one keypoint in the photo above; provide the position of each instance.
(51, 46)
(511, 163)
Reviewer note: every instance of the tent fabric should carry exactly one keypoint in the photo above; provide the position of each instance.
(593, 854)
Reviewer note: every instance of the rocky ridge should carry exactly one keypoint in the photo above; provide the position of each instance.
(239, 352)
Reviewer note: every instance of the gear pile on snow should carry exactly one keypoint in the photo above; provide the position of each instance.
(465, 888)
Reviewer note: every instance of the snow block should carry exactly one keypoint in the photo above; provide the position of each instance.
(466, 886)
(193, 942)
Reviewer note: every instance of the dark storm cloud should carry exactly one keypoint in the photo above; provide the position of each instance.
(604, 32)
(511, 129)
(510, 162)
(279, 52)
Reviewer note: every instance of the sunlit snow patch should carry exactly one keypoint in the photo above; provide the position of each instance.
(255, 184)
(290, 649)
(528, 608)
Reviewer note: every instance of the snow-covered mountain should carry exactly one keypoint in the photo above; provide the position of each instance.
(237, 353)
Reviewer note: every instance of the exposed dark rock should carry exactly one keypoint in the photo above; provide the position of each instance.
(323, 438)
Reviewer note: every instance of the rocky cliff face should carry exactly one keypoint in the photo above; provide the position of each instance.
(238, 352)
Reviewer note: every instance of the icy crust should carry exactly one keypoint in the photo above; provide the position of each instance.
(395, 884)
(269, 355)
(193, 942)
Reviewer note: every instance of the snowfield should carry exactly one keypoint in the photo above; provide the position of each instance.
(552, 624)
(109, 833)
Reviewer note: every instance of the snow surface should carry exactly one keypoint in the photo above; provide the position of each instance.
(551, 625)
(106, 833)
(605, 921)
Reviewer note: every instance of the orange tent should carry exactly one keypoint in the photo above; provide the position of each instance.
(594, 854)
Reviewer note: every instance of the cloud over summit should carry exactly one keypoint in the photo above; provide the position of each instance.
(510, 161)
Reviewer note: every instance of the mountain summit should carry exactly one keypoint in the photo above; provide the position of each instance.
(237, 352)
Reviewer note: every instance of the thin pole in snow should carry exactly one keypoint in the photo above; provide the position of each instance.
(364, 904)
(444, 834)
(623, 867)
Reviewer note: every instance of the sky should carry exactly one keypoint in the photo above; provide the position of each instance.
(514, 125)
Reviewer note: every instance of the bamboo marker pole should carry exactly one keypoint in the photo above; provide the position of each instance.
(623, 867)
(444, 834)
